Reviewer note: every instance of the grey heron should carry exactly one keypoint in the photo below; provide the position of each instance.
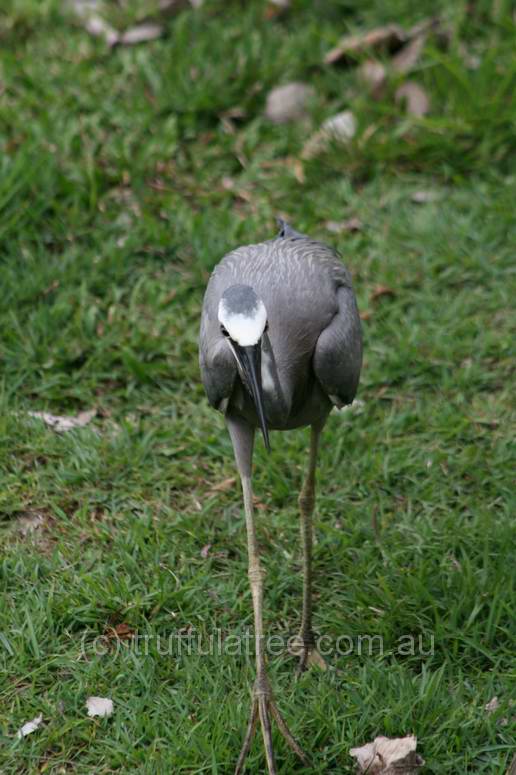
(280, 346)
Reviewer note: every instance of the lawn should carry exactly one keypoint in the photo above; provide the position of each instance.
(125, 175)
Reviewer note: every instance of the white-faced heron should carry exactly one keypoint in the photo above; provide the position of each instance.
(280, 345)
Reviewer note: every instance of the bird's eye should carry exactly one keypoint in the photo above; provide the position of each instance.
(224, 331)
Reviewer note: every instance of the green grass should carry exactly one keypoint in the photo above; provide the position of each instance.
(113, 213)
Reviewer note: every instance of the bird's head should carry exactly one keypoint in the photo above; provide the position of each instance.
(243, 321)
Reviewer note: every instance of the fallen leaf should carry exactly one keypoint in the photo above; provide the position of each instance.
(141, 33)
(341, 127)
(374, 75)
(62, 424)
(99, 706)
(423, 197)
(387, 38)
(30, 521)
(386, 756)
(289, 102)
(492, 705)
(356, 407)
(205, 551)
(276, 8)
(299, 171)
(224, 486)
(30, 726)
(381, 290)
(415, 97)
(171, 7)
(351, 225)
(122, 631)
(96, 26)
(84, 7)
(405, 60)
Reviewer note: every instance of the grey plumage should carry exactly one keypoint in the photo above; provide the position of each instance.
(313, 344)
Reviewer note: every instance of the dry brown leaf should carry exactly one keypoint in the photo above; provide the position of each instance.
(141, 33)
(341, 127)
(175, 6)
(224, 486)
(382, 290)
(351, 225)
(386, 38)
(122, 631)
(423, 197)
(405, 60)
(386, 756)
(205, 551)
(276, 8)
(289, 102)
(96, 26)
(374, 75)
(63, 424)
(492, 705)
(416, 98)
(29, 521)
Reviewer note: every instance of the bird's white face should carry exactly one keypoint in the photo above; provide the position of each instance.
(247, 328)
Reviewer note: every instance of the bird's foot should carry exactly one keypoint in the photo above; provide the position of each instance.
(309, 655)
(264, 709)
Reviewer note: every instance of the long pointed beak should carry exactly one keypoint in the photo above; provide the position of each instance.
(250, 360)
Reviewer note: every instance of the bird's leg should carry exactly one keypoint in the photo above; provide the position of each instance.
(263, 705)
(309, 655)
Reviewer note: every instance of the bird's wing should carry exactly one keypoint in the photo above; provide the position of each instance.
(218, 366)
(338, 353)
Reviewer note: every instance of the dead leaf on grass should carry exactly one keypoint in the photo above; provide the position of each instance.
(62, 424)
(351, 225)
(122, 631)
(415, 98)
(99, 28)
(341, 128)
(386, 756)
(141, 33)
(492, 705)
(99, 706)
(373, 75)
(381, 290)
(29, 727)
(205, 551)
(288, 102)
(406, 59)
(224, 486)
(424, 196)
(29, 521)
(356, 407)
(389, 37)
